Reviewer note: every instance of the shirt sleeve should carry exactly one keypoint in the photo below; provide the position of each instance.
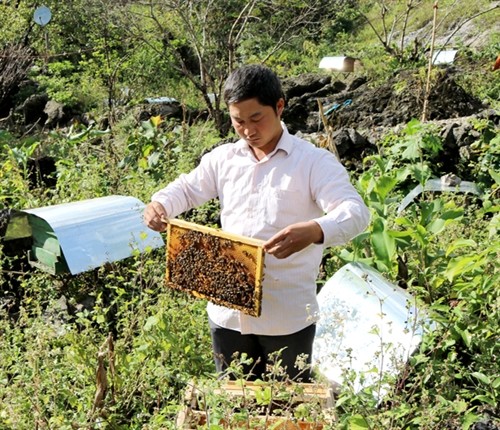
(189, 189)
(346, 214)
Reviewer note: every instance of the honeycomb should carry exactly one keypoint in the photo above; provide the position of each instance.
(225, 268)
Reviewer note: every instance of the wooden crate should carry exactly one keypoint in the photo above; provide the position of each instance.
(224, 268)
(194, 415)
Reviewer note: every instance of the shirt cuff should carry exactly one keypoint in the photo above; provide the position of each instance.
(343, 223)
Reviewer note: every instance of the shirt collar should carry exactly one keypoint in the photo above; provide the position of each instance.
(284, 144)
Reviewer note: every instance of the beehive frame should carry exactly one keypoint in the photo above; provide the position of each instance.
(320, 396)
(222, 267)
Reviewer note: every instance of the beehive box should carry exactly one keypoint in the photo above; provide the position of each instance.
(45, 252)
(222, 267)
(317, 396)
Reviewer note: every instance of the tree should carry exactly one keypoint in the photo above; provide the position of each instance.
(205, 40)
(395, 24)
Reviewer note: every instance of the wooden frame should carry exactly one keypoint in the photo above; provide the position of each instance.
(194, 414)
(215, 265)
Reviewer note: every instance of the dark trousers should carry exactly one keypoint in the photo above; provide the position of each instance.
(226, 343)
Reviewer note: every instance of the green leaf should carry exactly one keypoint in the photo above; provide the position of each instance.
(153, 159)
(384, 245)
(357, 422)
(495, 176)
(460, 243)
(413, 127)
(496, 383)
(436, 226)
(459, 266)
(465, 335)
(468, 420)
(485, 399)
(384, 185)
(151, 322)
(413, 149)
(421, 172)
(147, 149)
(148, 130)
(481, 377)
(263, 396)
(452, 214)
(143, 163)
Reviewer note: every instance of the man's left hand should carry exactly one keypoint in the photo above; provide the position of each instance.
(294, 238)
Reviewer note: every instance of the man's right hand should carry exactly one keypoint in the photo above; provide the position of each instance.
(155, 216)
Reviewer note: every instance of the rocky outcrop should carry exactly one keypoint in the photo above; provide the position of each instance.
(358, 115)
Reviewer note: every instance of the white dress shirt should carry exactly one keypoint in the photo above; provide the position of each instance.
(296, 182)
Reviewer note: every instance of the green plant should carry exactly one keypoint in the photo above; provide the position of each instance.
(444, 249)
(269, 403)
(14, 168)
(485, 153)
(60, 81)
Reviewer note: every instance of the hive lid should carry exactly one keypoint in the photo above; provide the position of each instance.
(212, 264)
(366, 323)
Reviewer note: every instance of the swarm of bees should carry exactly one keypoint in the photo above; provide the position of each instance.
(214, 268)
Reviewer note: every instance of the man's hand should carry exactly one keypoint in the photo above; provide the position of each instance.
(294, 238)
(155, 216)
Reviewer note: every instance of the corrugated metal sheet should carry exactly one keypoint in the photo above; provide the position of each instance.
(444, 56)
(340, 64)
(95, 231)
(367, 325)
(439, 185)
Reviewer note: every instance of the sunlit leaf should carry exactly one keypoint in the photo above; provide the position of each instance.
(384, 185)
(156, 120)
(460, 243)
(384, 245)
(151, 322)
(481, 377)
(357, 422)
(469, 419)
(412, 149)
(459, 266)
(495, 176)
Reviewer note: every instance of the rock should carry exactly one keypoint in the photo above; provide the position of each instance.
(350, 142)
(56, 315)
(302, 94)
(33, 109)
(357, 82)
(306, 83)
(4, 221)
(167, 109)
(374, 112)
(55, 112)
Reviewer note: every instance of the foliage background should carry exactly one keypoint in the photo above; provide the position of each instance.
(103, 58)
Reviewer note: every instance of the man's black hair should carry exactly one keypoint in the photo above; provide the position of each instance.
(254, 80)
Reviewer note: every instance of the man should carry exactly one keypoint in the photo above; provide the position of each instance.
(278, 188)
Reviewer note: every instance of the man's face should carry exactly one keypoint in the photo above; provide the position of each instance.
(259, 125)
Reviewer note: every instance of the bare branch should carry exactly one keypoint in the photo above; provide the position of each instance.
(497, 6)
(232, 41)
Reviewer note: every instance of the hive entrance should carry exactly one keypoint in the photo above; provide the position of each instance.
(218, 266)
